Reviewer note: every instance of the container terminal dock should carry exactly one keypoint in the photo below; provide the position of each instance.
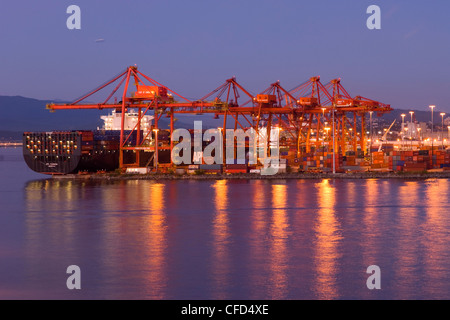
(321, 128)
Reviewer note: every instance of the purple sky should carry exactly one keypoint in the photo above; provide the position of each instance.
(193, 46)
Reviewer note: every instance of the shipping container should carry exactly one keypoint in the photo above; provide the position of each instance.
(266, 98)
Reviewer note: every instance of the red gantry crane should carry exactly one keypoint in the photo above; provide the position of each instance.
(302, 113)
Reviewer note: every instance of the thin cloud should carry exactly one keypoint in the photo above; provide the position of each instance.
(412, 32)
(391, 11)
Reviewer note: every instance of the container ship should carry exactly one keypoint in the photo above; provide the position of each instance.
(79, 151)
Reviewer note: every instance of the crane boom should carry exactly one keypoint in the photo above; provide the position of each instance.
(385, 135)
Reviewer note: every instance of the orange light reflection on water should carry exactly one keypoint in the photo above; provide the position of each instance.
(436, 260)
(327, 233)
(221, 234)
(56, 199)
(371, 244)
(407, 230)
(278, 233)
(155, 224)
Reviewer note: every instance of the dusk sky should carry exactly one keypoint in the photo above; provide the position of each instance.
(194, 46)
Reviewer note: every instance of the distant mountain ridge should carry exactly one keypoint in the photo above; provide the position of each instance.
(19, 113)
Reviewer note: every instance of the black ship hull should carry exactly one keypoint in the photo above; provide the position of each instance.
(72, 152)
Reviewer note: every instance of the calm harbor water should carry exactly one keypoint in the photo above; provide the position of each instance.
(258, 239)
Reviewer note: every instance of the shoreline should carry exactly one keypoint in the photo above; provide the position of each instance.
(253, 176)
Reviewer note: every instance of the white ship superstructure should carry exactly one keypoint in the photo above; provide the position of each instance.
(114, 121)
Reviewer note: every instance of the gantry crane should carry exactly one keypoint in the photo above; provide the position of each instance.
(301, 112)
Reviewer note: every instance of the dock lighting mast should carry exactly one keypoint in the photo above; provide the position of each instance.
(370, 133)
(403, 125)
(442, 138)
(156, 154)
(334, 143)
(432, 132)
(325, 129)
(432, 120)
